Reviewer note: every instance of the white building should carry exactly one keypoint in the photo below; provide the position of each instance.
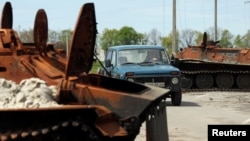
(100, 54)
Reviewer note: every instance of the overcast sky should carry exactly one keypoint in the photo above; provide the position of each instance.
(142, 15)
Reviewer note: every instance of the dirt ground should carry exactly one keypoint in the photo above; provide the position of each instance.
(189, 121)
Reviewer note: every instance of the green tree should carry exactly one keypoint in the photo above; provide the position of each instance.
(226, 39)
(198, 37)
(128, 36)
(143, 39)
(109, 38)
(246, 40)
(238, 42)
(168, 42)
(125, 36)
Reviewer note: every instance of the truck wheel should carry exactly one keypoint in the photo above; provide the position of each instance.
(176, 98)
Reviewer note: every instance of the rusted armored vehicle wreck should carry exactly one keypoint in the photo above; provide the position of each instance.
(91, 107)
(209, 66)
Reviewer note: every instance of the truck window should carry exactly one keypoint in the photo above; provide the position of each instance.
(111, 55)
(108, 55)
(142, 55)
(113, 58)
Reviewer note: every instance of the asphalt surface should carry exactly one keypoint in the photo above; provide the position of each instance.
(189, 122)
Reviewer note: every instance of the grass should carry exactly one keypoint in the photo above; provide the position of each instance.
(95, 67)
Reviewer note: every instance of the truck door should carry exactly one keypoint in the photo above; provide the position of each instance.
(110, 61)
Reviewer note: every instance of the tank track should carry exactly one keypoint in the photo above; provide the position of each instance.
(77, 129)
(66, 130)
(214, 88)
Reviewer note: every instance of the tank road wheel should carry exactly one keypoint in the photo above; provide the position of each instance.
(243, 81)
(186, 82)
(204, 81)
(224, 80)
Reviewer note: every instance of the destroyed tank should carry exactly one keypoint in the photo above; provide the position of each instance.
(209, 66)
(91, 107)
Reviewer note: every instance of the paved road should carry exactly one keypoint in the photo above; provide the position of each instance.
(189, 121)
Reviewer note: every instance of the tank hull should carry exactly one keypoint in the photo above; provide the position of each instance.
(212, 67)
(214, 76)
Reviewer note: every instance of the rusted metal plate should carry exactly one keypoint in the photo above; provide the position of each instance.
(96, 90)
(41, 31)
(7, 17)
(30, 118)
(83, 42)
(157, 126)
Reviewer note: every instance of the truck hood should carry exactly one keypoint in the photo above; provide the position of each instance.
(147, 69)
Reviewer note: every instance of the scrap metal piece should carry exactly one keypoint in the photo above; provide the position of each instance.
(83, 42)
(7, 16)
(157, 127)
(41, 31)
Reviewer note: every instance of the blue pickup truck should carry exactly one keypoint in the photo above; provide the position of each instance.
(145, 64)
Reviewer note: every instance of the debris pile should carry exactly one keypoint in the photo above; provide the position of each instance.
(30, 93)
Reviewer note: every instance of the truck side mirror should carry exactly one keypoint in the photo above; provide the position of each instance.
(108, 63)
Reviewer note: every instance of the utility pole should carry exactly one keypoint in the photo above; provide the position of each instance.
(215, 20)
(174, 28)
(67, 43)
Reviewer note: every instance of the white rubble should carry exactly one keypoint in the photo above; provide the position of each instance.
(30, 93)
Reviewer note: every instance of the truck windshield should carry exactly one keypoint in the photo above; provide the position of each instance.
(141, 56)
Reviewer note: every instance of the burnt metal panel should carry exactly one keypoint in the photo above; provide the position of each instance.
(83, 42)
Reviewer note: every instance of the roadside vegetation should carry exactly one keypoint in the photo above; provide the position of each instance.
(128, 35)
(96, 65)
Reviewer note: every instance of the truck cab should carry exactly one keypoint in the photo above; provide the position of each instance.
(146, 64)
